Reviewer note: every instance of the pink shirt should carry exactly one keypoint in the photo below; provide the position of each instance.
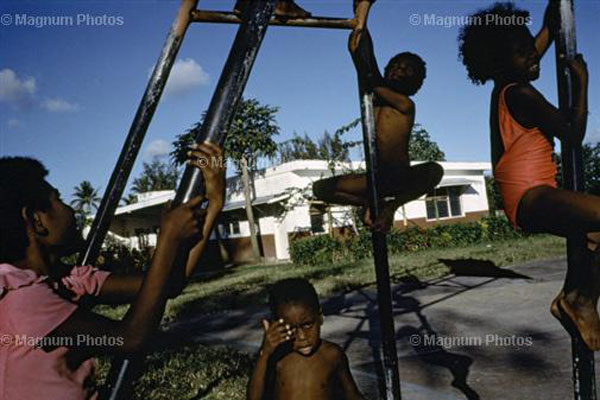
(29, 310)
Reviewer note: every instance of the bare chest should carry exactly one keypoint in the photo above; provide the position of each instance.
(304, 378)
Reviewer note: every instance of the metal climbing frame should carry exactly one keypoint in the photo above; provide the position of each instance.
(253, 25)
(584, 378)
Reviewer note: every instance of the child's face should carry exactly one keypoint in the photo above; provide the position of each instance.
(403, 78)
(523, 60)
(59, 221)
(305, 325)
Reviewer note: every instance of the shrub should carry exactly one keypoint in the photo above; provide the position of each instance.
(324, 249)
(316, 250)
(361, 246)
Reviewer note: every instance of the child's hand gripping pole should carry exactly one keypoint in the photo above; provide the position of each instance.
(360, 46)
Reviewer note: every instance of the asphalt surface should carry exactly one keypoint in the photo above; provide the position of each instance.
(480, 332)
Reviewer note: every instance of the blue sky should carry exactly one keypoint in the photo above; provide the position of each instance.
(68, 93)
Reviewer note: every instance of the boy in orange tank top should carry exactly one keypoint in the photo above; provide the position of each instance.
(523, 123)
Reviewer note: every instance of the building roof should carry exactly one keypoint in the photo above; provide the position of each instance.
(151, 199)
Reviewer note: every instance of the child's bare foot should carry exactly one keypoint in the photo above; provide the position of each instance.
(556, 311)
(582, 313)
(283, 8)
(386, 218)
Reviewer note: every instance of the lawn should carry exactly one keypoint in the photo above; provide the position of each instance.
(237, 287)
(193, 371)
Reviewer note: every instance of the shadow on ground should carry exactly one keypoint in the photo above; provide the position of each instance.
(429, 347)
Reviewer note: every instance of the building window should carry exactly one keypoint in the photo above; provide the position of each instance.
(234, 228)
(316, 223)
(142, 236)
(444, 203)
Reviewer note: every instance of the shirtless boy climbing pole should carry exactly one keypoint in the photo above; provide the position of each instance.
(394, 120)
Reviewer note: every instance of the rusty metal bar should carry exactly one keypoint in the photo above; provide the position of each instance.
(390, 382)
(584, 377)
(119, 374)
(137, 131)
(229, 89)
(312, 22)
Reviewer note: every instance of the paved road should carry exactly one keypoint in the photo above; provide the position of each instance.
(481, 332)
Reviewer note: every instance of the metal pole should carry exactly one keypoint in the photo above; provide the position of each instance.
(390, 387)
(137, 131)
(312, 22)
(216, 124)
(229, 89)
(584, 378)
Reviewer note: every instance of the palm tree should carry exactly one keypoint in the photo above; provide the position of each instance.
(85, 200)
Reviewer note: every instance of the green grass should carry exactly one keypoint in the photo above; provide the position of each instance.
(193, 371)
(245, 285)
(190, 372)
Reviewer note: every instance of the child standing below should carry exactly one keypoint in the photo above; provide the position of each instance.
(394, 120)
(303, 365)
(522, 126)
(48, 340)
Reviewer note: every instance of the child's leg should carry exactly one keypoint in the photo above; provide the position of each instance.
(561, 212)
(348, 189)
(406, 184)
(411, 183)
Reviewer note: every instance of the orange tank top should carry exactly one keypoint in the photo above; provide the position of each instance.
(526, 161)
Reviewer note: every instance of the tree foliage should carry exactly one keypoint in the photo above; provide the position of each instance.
(422, 148)
(249, 138)
(85, 201)
(250, 135)
(591, 168)
(156, 175)
(331, 148)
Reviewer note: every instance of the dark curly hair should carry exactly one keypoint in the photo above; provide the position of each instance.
(418, 64)
(293, 291)
(483, 43)
(22, 184)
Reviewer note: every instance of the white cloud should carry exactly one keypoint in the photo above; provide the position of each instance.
(158, 148)
(185, 75)
(13, 123)
(59, 105)
(16, 91)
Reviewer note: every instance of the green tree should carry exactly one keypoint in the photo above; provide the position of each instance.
(422, 148)
(591, 168)
(249, 138)
(130, 199)
(493, 194)
(297, 148)
(331, 148)
(156, 175)
(85, 200)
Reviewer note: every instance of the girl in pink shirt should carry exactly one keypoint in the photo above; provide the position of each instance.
(47, 341)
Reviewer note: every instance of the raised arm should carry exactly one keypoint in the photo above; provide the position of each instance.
(124, 288)
(360, 46)
(274, 334)
(531, 109)
(132, 332)
(551, 25)
(209, 158)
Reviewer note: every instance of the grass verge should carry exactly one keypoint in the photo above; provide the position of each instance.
(245, 285)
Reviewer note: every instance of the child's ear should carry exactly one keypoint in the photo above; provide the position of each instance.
(320, 316)
(33, 221)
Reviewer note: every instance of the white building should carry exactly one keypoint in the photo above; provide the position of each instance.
(283, 208)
